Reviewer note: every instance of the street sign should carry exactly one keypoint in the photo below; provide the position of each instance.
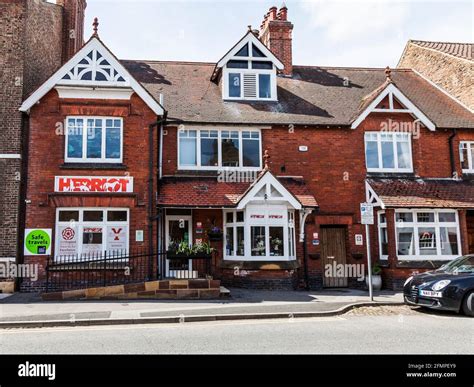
(366, 213)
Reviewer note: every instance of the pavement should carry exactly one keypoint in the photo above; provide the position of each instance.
(24, 310)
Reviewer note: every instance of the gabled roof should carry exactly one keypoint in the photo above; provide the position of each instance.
(93, 65)
(265, 184)
(390, 90)
(323, 96)
(208, 192)
(459, 50)
(422, 193)
(249, 37)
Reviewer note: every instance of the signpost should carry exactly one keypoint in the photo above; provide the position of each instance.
(367, 218)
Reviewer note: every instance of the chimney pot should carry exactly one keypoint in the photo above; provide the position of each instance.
(273, 13)
(276, 34)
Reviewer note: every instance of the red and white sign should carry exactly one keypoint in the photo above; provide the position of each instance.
(93, 184)
(67, 240)
(117, 237)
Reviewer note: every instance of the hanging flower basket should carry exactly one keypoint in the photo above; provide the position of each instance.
(215, 234)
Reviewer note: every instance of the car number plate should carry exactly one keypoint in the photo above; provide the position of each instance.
(430, 293)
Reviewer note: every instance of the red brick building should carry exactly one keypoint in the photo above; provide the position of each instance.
(265, 160)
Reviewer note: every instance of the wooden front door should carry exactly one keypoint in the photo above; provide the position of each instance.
(470, 231)
(333, 252)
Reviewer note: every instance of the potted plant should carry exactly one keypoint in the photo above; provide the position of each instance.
(214, 234)
(376, 277)
(183, 249)
(277, 244)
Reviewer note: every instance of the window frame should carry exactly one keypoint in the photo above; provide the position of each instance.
(470, 154)
(81, 224)
(84, 158)
(381, 169)
(437, 225)
(382, 225)
(249, 70)
(198, 165)
(249, 222)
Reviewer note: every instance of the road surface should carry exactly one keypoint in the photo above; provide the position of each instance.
(418, 333)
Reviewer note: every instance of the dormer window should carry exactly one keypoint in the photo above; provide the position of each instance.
(249, 71)
(250, 76)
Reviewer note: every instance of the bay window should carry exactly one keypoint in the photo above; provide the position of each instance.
(90, 232)
(466, 153)
(94, 139)
(427, 234)
(214, 149)
(388, 152)
(260, 233)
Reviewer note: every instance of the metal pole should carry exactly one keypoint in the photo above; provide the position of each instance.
(369, 261)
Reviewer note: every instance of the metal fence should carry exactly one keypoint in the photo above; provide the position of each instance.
(118, 267)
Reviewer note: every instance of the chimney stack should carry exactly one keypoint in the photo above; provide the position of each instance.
(73, 26)
(276, 34)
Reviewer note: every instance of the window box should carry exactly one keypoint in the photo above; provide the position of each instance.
(214, 236)
(171, 254)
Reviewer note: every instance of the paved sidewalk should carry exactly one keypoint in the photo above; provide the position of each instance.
(32, 311)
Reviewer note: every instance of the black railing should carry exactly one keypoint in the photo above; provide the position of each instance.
(69, 272)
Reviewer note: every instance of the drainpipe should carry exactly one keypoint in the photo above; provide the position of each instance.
(303, 239)
(451, 153)
(151, 217)
(160, 151)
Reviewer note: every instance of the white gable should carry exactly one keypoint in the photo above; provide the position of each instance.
(267, 189)
(250, 39)
(93, 67)
(393, 93)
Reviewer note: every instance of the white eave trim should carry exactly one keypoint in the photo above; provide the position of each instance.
(268, 178)
(94, 43)
(410, 108)
(250, 37)
(372, 197)
(94, 92)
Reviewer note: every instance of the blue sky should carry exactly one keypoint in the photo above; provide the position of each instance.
(326, 33)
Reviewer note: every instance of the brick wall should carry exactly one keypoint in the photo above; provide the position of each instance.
(454, 75)
(46, 159)
(334, 170)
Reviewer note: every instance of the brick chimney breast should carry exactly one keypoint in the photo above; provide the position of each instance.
(276, 34)
(73, 26)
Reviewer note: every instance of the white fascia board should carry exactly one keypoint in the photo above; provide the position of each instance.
(403, 99)
(94, 43)
(268, 178)
(250, 37)
(372, 197)
(94, 92)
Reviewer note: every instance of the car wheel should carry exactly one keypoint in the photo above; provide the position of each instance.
(468, 304)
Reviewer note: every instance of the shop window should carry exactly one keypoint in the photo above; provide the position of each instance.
(260, 234)
(89, 233)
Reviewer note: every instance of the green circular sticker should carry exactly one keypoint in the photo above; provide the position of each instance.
(37, 242)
